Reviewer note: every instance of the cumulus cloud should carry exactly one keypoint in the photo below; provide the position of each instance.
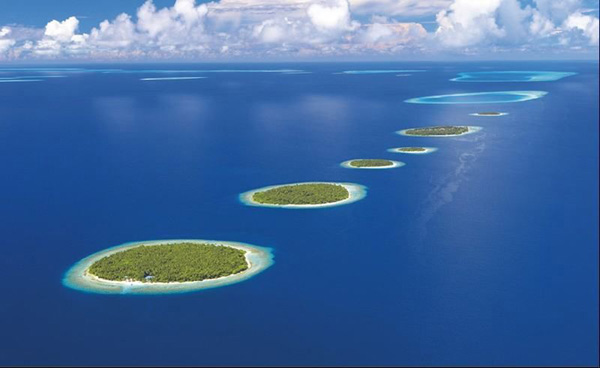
(588, 25)
(399, 7)
(5, 42)
(334, 16)
(290, 28)
(468, 24)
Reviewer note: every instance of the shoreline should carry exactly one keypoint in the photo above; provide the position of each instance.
(78, 277)
(356, 193)
(395, 164)
(427, 151)
(471, 130)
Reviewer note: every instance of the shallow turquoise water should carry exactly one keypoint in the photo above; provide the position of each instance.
(479, 97)
(512, 76)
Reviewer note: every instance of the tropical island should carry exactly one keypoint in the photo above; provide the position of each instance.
(371, 164)
(440, 131)
(413, 150)
(304, 195)
(179, 262)
(170, 266)
(489, 113)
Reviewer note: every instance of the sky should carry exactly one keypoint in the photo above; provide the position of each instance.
(277, 30)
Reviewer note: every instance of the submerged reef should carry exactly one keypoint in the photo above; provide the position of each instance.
(511, 76)
(479, 97)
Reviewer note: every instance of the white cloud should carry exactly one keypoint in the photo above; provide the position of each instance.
(587, 24)
(236, 28)
(5, 42)
(62, 31)
(399, 7)
(332, 16)
(468, 24)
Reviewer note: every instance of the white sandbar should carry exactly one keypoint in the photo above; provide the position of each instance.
(394, 164)
(426, 151)
(356, 193)
(488, 115)
(472, 129)
(170, 78)
(78, 277)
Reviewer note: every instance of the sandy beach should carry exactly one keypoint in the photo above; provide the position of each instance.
(78, 277)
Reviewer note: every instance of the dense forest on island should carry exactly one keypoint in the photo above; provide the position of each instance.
(412, 149)
(298, 194)
(177, 262)
(490, 113)
(371, 163)
(438, 130)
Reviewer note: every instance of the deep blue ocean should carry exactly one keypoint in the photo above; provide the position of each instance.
(484, 252)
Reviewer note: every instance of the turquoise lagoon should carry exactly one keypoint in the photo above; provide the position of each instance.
(479, 97)
(511, 76)
(382, 71)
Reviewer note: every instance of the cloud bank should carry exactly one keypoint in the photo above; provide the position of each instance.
(312, 29)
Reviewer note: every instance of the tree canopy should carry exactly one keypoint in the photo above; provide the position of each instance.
(171, 263)
(314, 193)
(438, 130)
(371, 163)
(412, 149)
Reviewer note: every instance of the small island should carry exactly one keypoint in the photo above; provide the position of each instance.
(178, 262)
(413, 150)
(304, 195)
(489, 113)
(440, 131)
(170, 266)
(371, 164)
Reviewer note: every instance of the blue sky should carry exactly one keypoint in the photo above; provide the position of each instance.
(297, 29)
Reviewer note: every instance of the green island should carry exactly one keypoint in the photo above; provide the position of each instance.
(175, 262)
(302, 194)
(489, 113)
(371, 163)
(412, 149)
(438, 130)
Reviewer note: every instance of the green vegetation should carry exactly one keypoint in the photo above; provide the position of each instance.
(438, 130)
(489, 113)
(412, 149)
(317, 193)
(371, 163)
(171, 263)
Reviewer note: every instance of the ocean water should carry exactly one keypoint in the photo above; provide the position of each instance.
(484, 252)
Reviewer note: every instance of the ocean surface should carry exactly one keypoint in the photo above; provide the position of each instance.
(484, 252)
